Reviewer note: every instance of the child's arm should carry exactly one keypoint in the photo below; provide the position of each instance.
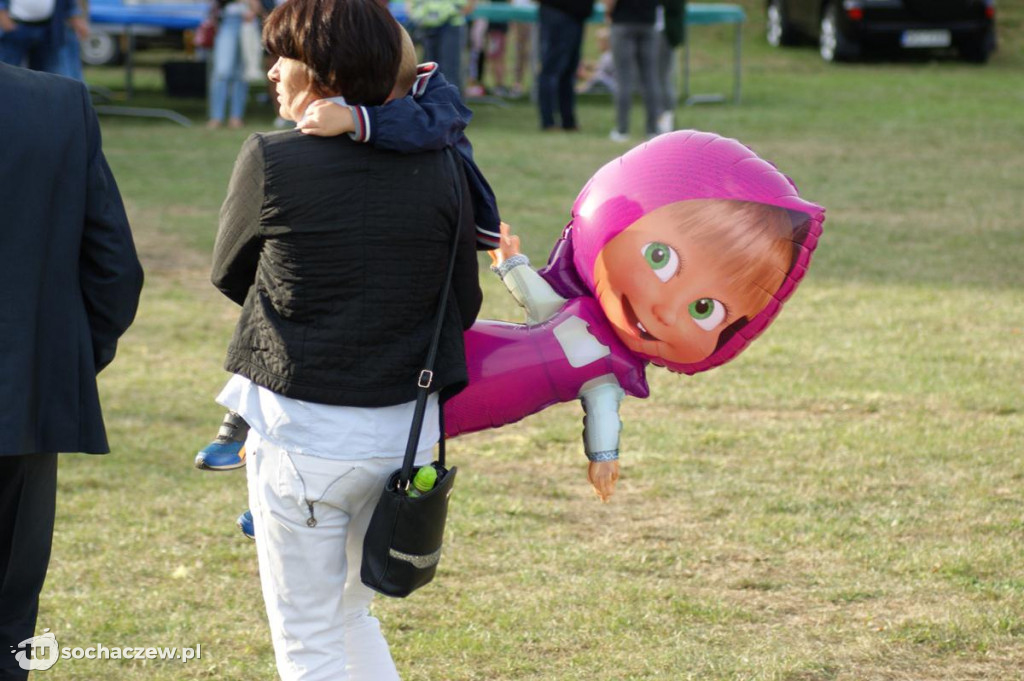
(431, 118)
(530, 290)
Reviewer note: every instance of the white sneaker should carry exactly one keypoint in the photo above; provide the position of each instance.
(666, 122)
(617, 136)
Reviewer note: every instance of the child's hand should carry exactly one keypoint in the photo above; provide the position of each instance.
(507, 247)
(603, 475)
(327, 119)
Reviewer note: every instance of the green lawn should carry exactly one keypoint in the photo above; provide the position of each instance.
(844, 501)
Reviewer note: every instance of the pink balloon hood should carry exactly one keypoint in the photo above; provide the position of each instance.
(687, 165)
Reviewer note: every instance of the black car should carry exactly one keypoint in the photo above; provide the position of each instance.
(848, 29)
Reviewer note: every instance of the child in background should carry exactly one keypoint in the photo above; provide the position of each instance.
(497, 31)
(477, 58)
(599, 77)
(431, 117)
(522, 32)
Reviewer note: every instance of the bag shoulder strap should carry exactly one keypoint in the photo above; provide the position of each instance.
(426, 376)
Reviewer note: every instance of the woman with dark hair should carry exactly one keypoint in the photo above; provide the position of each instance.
(337, 252)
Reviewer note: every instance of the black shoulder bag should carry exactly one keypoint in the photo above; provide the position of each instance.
(402, 546)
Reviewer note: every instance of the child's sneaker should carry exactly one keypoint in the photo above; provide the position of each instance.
(245, 524)
(227, 451)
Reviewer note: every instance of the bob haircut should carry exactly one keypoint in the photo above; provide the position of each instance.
(350, 48)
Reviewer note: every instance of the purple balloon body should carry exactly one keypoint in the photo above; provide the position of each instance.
(510, 366)
(517, 369)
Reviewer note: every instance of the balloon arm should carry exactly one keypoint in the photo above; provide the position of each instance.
(601, 423)
(530, 290)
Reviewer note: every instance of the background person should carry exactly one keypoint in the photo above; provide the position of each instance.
(77, 29)
(441, 30)
(635, 54)
(478, 56)
(522, 32)
(228, 82)
(33, 33)
(560, 23)
(599, 76)
(671, 26)
(497, 32)
(337, 253)
(71, 283)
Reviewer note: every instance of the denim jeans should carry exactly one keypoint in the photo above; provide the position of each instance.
(443, 44)
(310, 516)
(561, 38)
(228, 75)
(71, 57)
(31, 45)
(635, 52)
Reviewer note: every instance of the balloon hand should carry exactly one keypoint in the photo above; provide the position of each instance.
(603, 476)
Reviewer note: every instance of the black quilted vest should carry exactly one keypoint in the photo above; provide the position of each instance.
(352, 244)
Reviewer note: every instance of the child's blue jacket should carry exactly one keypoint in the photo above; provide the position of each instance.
(432, 117)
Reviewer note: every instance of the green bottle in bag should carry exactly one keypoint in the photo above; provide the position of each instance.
(423, 481)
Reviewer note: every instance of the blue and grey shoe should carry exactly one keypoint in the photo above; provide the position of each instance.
(227, 451)
(245, 524)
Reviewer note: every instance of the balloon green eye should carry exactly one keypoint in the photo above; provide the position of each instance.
(707, 313)
(662, 259)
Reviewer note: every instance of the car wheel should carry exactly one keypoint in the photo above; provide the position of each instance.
(100, 49)
(832, 44)
(777, 27)
(978, 51)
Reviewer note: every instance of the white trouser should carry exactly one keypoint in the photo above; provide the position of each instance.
(311, 515)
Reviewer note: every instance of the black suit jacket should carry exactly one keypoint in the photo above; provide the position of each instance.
(69, 275)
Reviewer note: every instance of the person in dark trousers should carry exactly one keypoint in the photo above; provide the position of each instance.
(34, 34)
(673, 33)
(635, 54)
(71, 281)
(561, 40)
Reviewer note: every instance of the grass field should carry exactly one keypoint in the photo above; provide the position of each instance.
(845, 501)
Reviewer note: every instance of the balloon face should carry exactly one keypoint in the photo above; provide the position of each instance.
(685, 168)
(677, 278)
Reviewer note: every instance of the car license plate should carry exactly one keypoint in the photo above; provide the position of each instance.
(926, 38)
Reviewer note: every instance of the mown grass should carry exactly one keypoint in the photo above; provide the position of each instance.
(845, 501)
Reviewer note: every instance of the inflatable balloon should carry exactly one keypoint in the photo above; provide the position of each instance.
(678, 254)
